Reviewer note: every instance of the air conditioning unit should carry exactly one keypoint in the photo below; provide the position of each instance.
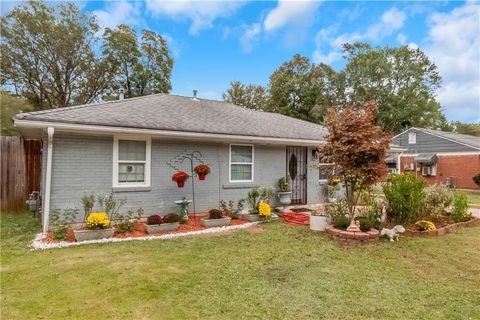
(426, 170)
(408, 167)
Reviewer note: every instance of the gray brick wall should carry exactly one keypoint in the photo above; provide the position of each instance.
(83, 164)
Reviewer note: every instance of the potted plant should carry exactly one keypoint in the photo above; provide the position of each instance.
(254, 198)
(215, 219)
(98, 227)
(156, 223)
(202, 170)
(318, 221)
(180, 177)
(284, 194)
(183, 204)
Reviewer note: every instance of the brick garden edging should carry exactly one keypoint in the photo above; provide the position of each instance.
(350, 236)
(441, 231)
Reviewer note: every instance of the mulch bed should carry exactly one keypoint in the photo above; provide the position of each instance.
(442, 227)
(193, 224)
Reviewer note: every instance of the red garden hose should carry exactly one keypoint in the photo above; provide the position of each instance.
(296, 218)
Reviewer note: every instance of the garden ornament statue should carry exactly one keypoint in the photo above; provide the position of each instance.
(354, 226)
(393, 233)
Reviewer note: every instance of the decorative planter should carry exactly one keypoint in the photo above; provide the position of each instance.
(201, 177)
(252, 217)
(352, 236)
(82, 235)
(318, 223)
(285, 197)
(210, 223)
(180, 184)
(155, 228)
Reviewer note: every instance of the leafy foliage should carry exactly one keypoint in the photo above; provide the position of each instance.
(405, 194)
(11, 105)
(61, 221)
(283, 185)
(247, 96)
(110, 205)
(460, 207)
(140, 69)
(366, 223)
(126, 222)
(50, 57)
(472, 129)
(476, 179)
(230, 209)
(88, 201)
(337, 211)
(438, 200)
(357, 147)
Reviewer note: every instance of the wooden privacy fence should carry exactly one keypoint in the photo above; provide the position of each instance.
(20, 171)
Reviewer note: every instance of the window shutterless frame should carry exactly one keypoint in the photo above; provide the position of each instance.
(147, 162)
(241, 163)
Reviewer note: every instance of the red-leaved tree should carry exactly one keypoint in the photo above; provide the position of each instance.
(357, 147)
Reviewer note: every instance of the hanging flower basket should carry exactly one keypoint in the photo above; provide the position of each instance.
(180, 177)
(202, 170)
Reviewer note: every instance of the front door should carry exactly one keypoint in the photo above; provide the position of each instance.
(297, 172)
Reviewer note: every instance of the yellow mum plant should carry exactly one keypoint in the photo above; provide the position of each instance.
(424, 225)
(264, 210)
(98, 220)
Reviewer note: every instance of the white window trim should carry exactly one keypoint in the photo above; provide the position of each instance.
(250, 163)
(148, 161)
(412, 138)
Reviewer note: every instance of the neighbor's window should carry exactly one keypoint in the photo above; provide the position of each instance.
(132, 162)
(412, 138)
(241, 163)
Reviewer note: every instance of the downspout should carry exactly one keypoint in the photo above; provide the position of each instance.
(48, 179)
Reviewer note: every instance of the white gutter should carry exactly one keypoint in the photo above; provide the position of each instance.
(163, 133)
(48, 180)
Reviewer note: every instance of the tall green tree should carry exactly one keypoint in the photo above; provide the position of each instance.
(248, 96)
(139, 68)
(401, 80)
(11, 105)
(472, 129)
(301, 89)
(47, 55)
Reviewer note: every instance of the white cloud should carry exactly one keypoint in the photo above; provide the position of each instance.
(453, 43)
(201, 13)
(412, 45)
(287, 12)
(390, 21)
(118, 12)
(249, 36)
(401, 38)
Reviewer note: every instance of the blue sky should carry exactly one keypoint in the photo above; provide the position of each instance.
(216, 42)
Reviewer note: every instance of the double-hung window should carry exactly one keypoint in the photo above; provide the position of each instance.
(131, 162)
(241, 163)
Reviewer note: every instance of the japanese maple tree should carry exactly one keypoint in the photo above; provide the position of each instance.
(357, 147)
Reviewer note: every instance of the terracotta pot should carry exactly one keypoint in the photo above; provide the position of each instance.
(180, 184)
(201, 177)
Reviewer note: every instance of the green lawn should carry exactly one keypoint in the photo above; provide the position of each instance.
(284, 272)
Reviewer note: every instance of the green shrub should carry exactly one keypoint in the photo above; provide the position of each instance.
(438, 200)
(230, 209)
(61, 221)
(405, 195)
(460, 207)
(126, 222)
(372, 210)
(171, 218)
(341, 222)
(366, 223)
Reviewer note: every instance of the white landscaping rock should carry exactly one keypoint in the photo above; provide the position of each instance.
(38, 244)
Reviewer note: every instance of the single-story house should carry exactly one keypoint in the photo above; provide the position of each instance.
(441, 157)
(132, 147)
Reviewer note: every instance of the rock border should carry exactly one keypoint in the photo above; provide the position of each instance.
(351, 236)
(444, 230)
(38, 244)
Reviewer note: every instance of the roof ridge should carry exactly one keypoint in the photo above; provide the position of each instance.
(47, 111)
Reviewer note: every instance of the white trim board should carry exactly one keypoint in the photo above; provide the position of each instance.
(148, 161)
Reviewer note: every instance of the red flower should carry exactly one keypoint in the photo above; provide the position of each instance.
(202, 169)
(180, 176)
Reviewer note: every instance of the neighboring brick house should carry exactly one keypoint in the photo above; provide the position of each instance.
(440, 157)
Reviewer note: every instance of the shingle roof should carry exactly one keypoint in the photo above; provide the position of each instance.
(179, 113)
(461, 138)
